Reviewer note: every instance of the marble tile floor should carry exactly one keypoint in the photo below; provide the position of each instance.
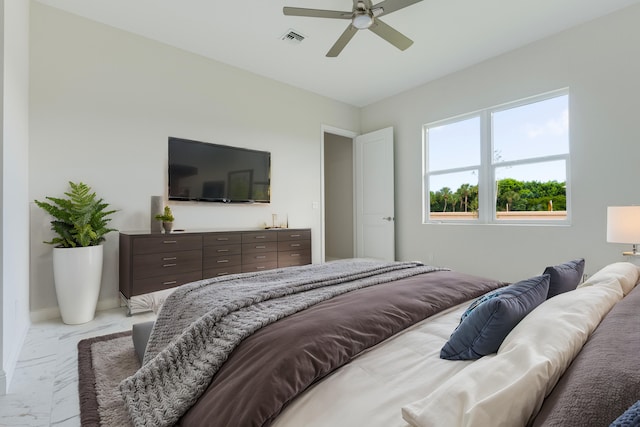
(44, 389)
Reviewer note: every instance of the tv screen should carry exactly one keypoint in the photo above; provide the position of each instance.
(217, 173)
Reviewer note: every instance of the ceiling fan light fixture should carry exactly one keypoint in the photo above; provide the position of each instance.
(362, 20)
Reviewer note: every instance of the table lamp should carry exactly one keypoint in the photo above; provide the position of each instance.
(623, 226)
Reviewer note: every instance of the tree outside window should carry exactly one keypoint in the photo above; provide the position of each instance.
(504, 164)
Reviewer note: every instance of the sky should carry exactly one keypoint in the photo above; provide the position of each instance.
(529, 131)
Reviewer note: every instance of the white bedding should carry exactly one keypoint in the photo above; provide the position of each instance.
(371, 389)
(404, 376)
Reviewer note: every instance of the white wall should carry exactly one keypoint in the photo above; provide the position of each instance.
(14, 215)
(103, 103)
(600, 64)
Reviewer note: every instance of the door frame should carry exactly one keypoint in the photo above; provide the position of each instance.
(340, 132)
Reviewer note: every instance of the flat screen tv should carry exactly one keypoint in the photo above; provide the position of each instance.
(201, 171)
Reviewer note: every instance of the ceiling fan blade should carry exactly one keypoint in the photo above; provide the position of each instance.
(394, 37)
(342, 41)
(316, 13)
(389, 6)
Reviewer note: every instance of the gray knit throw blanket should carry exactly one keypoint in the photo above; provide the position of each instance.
(200, 324)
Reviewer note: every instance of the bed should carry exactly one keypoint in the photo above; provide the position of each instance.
(361, 342)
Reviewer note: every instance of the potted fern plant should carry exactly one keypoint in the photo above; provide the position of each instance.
(80, 223)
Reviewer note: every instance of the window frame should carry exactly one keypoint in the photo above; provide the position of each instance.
(487, 212)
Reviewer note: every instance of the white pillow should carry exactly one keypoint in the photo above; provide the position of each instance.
(528, 364)
(626, 273)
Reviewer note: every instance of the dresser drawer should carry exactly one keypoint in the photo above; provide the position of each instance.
(168, 243)
(291, 258)
(294, 245)
(260, 236)
(224, 261)
(217, 239)
(167, 281)
(286, 235)
(260, 257)
(159, 264)
(255, 247)
(269, 265)
(221, 271)
(224, 250)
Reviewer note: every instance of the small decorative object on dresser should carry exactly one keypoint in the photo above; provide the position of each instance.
(167, 219)
(156, 209)
(278, 221)
(81, 224)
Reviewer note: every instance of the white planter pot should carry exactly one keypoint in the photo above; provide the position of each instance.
(77, 273)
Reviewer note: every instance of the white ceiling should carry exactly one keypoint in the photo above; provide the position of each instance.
(448, 35)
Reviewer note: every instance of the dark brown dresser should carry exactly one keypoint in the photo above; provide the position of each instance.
(152, 262)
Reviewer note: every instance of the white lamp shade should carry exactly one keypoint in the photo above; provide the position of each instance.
(623, 224)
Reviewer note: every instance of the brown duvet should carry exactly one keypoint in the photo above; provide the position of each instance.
(604, 378)
(270, 368)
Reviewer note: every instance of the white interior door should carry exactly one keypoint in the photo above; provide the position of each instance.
(375, 223)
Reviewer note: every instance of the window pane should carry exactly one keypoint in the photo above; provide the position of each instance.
(533, 130)
(453, 196)
(534, 191)
(454, 145)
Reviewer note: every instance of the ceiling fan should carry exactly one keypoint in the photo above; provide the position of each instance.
(364, 16)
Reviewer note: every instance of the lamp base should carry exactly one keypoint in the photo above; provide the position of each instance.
(631, 253)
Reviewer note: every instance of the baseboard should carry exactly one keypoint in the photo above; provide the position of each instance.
(11, 360)
(108, 304)
(54, 313)
(44, 314)
(4, 389)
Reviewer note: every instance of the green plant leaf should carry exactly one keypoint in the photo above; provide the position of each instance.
(80, 219)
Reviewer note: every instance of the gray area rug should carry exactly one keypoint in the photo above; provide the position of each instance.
(102, 363)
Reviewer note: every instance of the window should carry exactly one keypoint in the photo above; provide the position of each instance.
(501, 165)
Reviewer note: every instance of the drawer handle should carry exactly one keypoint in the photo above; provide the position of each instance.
(261, 257)
(294, 235)
(222, 250)
(222, 261)
(261, 246)
(261, 237)
(295, 245)
(295, 254)
(170, 258)
(172, 282)
(222, 239)
(260, 267)
(222, 274)
(169, 241)
(169, 265)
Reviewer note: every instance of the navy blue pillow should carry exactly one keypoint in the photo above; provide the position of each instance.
(484, 328)
(564, 277)
(479, 301)
(630, 418)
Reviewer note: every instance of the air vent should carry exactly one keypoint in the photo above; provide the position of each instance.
(292, 36)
